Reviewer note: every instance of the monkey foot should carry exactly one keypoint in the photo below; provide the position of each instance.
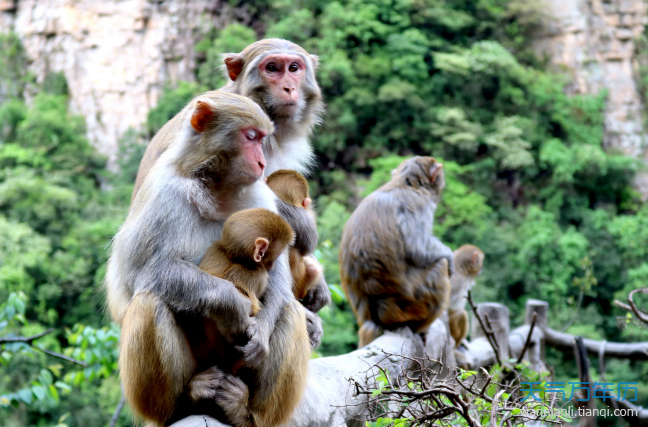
(232, 396)
(204, 384)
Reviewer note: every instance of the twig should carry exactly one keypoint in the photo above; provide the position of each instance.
(528, 340)
(118, 410)
(27, 340)
(493, 414)
(30, 342)
(575, 316)
(489, 333)
(61, 356)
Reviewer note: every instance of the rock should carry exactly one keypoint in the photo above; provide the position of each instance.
(116, 55)
(594, 41)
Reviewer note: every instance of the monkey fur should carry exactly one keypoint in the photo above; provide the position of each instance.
(469, 260)
(393, 270)
(244, 258)
(291, 187)
(295, 113)
(156, 292)
(252, 240)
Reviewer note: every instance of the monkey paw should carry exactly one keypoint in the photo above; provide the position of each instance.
(317, 297)
(314, 327)
(232, 396)
(204, 384)
(256, 348)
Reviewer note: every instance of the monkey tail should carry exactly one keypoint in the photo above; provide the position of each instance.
(155, 358)
(368, 332)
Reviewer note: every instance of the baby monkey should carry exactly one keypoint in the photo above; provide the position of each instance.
(252, 240)
(291, 187)
(469, 260)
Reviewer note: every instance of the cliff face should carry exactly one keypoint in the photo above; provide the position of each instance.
(116, 55)
(595, 41)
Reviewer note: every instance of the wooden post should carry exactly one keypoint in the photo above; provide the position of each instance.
(495, 316)
(541, 308)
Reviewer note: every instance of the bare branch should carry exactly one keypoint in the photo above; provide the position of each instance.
(30, 342)
(528, 340)
(26, 340)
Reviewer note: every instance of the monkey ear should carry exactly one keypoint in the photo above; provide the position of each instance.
(203, 114)
(306, 203)
(261, 245)
(315, 60)
(234, 64)
(475, 257)
(434, 171)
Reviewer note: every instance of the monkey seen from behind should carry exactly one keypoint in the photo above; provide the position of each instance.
(393, 270)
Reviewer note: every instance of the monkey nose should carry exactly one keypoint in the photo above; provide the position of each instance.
(291, 91)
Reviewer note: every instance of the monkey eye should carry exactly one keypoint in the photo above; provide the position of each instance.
(293, 68)
(251, 134)
(264, 139)
(271, 68)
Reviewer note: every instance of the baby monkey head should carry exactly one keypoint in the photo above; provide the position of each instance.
(256, 237)
(469, 259)
(290, 186)
(421, 173)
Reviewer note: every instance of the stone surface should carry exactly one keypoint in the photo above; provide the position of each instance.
(594, 41)
(116, 55)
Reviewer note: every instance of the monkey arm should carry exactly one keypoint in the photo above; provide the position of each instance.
(278, 293)
(302, 223)
(184, 287)
(422, 248)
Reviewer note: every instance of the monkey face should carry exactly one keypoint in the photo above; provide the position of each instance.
(251, 162)
(279, 75)
(284, 74)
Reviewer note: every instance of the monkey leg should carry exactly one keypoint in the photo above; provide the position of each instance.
(155, 359)
(458, 325)
(278, 383)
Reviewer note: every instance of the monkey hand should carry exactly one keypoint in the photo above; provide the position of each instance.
(314, 327)
(257, 346)
(449, 255)
(317, 297)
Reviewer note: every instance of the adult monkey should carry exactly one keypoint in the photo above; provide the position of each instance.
(212, 169)
(279, 76)
(392, 269)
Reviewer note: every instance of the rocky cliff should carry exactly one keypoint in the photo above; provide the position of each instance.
(118, 54)
(595, 41)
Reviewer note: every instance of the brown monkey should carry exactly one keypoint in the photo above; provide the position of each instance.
(251, 242)
(212, 168)
(291, 187)
(393, 270)
(469, 260)
(279, 76)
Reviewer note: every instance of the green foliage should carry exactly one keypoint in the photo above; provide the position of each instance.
(170, 104)
(232, 39)
(55, 224)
